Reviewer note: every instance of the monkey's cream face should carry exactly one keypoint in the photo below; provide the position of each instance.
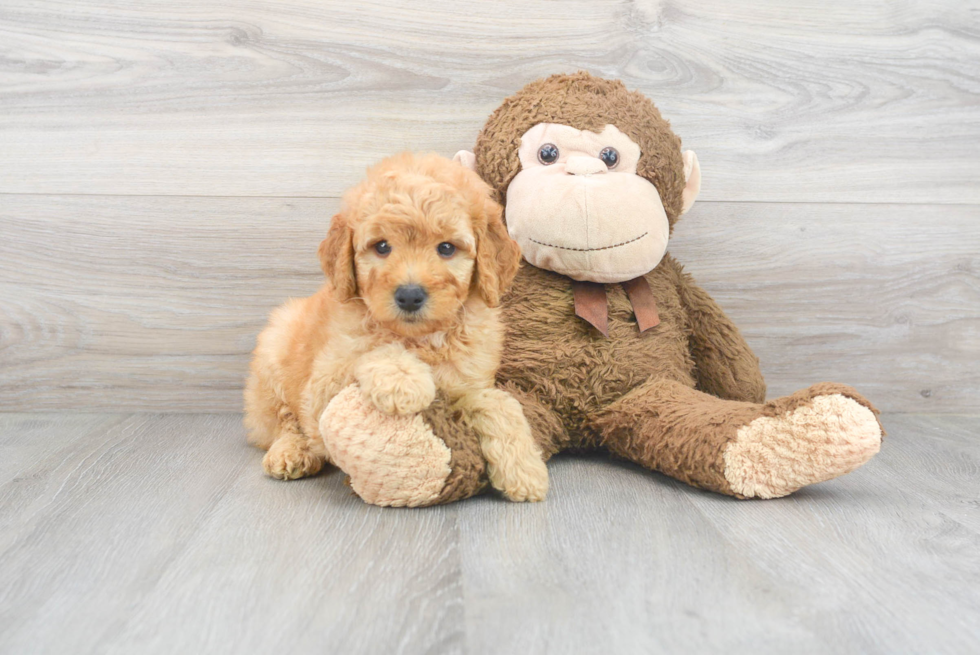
(577, 207)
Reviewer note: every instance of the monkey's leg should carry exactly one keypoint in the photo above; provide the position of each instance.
(743, 449)
(418, 460)
(410, 460)
(547, 428)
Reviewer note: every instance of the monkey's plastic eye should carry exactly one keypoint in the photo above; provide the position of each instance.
(383, 248)
(446, 249)
(548, 154)
(609, 157)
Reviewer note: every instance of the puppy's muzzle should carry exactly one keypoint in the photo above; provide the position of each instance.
(410, 297)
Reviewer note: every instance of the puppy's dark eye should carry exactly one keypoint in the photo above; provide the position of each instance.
(609, 157)
(446, 249)
(383, 248)
(548, 154)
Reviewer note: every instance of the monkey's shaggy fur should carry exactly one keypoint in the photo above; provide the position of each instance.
(585, 103)
(686, 397)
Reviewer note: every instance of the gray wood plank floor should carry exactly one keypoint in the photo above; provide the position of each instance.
(131, 533)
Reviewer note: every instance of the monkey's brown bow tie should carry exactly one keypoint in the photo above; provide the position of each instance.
(592, 306)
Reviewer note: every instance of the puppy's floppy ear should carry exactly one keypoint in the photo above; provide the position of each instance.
(337, 257)
(497, 256)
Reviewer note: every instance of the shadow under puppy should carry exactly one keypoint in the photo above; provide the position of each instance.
(416, 260)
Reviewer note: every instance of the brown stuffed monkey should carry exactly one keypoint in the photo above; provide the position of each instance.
(610, 345)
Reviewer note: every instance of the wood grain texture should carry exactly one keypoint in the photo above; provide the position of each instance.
(810, 101)
(153, 304)
(621, 560)
(147, 303)
(160, 534)
(882, 297)
(19, 434)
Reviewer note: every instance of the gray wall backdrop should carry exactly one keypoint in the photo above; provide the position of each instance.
(167, 170)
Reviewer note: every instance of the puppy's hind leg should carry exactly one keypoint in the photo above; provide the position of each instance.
(293, 455)
(261, 410)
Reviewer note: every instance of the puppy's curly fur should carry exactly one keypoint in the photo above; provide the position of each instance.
(392, 232)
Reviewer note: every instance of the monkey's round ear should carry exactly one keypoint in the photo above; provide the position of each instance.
(466, 158)
(692, 177)
(337, 257)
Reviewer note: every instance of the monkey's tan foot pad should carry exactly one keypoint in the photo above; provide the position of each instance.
(824, 437)
(392, 461)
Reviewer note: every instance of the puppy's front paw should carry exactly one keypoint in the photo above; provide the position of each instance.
(523, 481)
(403, 394)
(399, 384)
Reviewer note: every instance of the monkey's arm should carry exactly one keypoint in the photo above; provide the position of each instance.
(725, 365)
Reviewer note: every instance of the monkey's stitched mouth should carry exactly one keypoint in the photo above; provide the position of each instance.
(615, 245)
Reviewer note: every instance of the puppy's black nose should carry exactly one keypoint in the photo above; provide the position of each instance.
(410, 297)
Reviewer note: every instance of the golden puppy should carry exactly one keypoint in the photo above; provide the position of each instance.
(417, 260)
